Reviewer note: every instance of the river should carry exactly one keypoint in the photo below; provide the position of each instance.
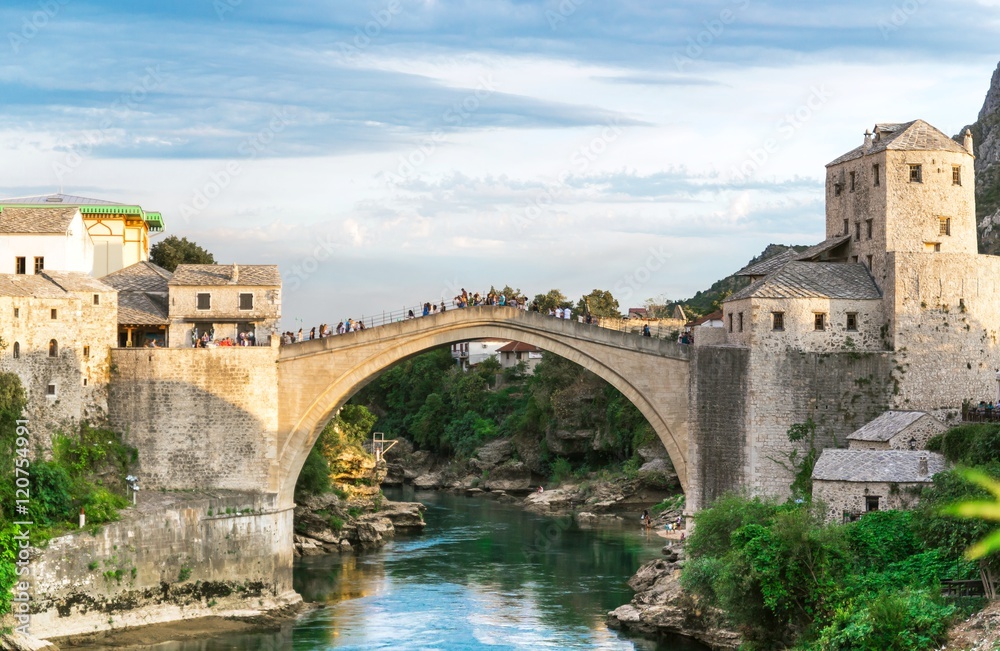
(483, 575)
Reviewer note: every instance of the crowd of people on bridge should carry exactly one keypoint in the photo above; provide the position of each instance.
(206, 339)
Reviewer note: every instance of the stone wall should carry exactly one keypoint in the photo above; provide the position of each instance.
(800, 324)
(174, 557)
(199, 417)
(844, 496)
(225, 313)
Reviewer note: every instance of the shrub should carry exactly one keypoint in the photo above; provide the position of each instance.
(908, 620)
(561, 470)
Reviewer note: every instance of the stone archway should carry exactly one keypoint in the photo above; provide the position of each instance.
(316, 378)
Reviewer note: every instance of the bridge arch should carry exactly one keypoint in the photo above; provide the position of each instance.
(316, 378)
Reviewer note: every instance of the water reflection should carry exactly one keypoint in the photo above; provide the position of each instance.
(482, 575)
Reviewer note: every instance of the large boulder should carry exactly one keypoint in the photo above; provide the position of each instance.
(372, 528)
(428, 480)
(569, 442)
(557, 500)
(493, 454)
(658, 473)
(652, 450)
(529, 451)
(511, 476)
(404, 515)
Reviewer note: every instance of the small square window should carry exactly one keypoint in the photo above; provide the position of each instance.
(17, 313)
(852, 181)
(54, 313)
(819, 321)
(741, 321)
(204, 301)
(97, 299)
(868, 228)
(854, 258)
(86, 352)
(20, 266)
(944, 226)
(246, 301)
(871, 503)
(50, 390)
(956, 175)
(777, 320)
(836, 189)
(39, 264)
(916, 174)
(852, 321)
(875, 175)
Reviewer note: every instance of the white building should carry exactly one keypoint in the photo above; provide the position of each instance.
(470, 353)
(36, 239)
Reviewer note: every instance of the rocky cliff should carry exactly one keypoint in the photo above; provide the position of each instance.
(986, 139)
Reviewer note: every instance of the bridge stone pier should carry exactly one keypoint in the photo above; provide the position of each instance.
(315, 378)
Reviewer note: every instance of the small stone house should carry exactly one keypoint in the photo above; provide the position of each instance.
(515, 352)
(143, 314)
(225, 299)
(896, 430)
(854, 482)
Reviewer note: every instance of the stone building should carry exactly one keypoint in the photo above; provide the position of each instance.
(514, 352)
(143, 298)
(120, 232)
(57, 329)
(894, 310)
(853, 482)
(896, 430)
(224, 300)
(35, 239)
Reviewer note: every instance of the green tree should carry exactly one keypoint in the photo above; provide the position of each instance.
(173, 251)
(551, 300)
(598, 302)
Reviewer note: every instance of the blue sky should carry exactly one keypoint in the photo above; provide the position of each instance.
(392, 152)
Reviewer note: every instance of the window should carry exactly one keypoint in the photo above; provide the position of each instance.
(53, 348)
(51, 390)
(852, 321)
(741, 321)
(84, 381)
(857, 231)
(847, 228)
(956, 175)
(932, 247)
(854, 258)
(836, 189)
(246, 301)
(54, 313)
(944, 226)
(869, 263)
(97, 299)
(777, 320)
(819, 321)
(86, 352)
(868, 228)
(871, 503)
(875, 176)
(17, 313)
(730, 322)
(916, 174)
(39, 264)
(852, 181)
(20, 266)
(204, 301)
(17, 350)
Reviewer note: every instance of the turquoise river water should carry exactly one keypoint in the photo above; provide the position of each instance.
(482, 575)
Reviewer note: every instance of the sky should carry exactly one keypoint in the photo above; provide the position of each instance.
(392, 152)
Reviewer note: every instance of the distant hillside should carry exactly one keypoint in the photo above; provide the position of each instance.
(986, 144)
(707, 301)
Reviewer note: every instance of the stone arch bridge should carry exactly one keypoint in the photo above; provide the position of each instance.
(315, 378)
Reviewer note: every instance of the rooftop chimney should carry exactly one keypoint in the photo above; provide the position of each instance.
(868, 141)
(967, 141)
(236, 274)
(922, 466)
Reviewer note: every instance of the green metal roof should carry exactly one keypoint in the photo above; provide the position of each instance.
(154, 220)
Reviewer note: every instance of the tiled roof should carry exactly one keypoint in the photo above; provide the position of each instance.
(714, 316)
(770, 265)
(33, 286)
(518, 347)
(36, 220)
(817, 250)
(226, 274)
(907, 136)
(57, 199)
(886, 426)
(814, 280)
(894, 466)
(139, 277)
(73, 281)
(139, 308)
(640, 312)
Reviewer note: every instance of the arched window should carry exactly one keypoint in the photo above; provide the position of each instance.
(17, 350)
(53, 348)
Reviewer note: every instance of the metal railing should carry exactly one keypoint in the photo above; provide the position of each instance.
(975, 414)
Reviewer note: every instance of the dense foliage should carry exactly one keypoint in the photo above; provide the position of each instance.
(86, 469)
(172, 251)
(787, 579)
(338, 453)
(441, 408)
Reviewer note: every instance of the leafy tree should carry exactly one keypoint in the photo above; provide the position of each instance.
(173, 251)
(598, 302)
(551, 300)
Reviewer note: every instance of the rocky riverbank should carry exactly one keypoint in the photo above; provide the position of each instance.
(660, 606)
(329, 523)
